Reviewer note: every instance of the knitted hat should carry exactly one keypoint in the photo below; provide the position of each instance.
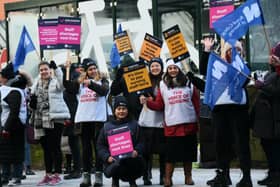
(157, 60)
(170, 62)
(120, 101)
(8, 71)
(276, 50)
(87, 62)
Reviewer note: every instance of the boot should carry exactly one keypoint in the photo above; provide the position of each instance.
(188, 173)
(169, 168)
(267, 180)
(161, 172)
(132, 183)
(115, 182)
(272, 180)
(98, 179)
(246, 179)
(222, 176)
(86, 180)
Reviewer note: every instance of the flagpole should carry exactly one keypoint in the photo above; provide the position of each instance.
(267, 39)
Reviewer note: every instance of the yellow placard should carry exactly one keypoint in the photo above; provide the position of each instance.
(176, 43)
(137, 80)
(123, 43)
(151, 47)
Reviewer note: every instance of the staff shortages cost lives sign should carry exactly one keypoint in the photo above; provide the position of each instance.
(61, 33)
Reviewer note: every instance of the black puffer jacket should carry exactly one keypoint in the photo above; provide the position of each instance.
(266, 116)
(12, 148)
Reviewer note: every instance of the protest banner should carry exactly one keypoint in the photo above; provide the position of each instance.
(123, 43)
(48, 33)
(151, 47)
(176, 43)
(136, 77)
(120, 143)
(69, 32)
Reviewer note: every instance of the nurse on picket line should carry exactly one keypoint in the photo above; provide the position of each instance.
(91, 113)
(128, 168)
(180, 101)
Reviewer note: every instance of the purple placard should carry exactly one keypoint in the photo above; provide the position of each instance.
(218, 12)
(48, 33)
(69, 32)
(214, 3)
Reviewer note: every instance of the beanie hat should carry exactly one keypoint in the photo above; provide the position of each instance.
(170, 62)
(120, 101)
(87, 62)
(158, 60)
(8, 71)
(276, 50)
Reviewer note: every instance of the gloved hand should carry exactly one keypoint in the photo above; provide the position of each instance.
(259, 84)
(190, 75)
(53, 64)
(119, 74)
(33, 102)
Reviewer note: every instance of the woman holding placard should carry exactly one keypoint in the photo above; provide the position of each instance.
(120, 146)
(151, 123)
(91, 114)
(180, 101)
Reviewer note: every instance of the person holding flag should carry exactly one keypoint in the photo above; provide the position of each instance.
(229, 113)
(266, 120)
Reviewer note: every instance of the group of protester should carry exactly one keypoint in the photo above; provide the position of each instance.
(163, 120)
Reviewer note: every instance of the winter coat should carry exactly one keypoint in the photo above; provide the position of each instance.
(12, 148)
(265, 113)
(124, 168)
(58, 110)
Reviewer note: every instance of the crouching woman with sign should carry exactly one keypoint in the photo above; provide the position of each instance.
(120, 147)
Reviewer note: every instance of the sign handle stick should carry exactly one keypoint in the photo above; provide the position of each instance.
(68, 62)
(132, 46)
(186, 65)
(267, 39)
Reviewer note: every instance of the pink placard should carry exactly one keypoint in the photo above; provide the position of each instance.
(69, 34)
(218, 12)
(120, 143)
(48, 35)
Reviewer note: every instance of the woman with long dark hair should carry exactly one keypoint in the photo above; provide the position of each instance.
(179, 100)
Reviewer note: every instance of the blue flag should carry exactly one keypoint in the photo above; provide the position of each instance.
(234, 25)
(239, 72)
(25, 46)
(217, 80)
(114, 55)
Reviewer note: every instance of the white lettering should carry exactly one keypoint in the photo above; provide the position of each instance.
(252, 13)
(218, 69)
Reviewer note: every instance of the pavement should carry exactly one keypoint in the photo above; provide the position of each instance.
(200, 176)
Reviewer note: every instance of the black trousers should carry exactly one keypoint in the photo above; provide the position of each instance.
(271, 149)
(51, 148)
(154, 143)
(75, 150)
(232, 136)
(90, 132)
